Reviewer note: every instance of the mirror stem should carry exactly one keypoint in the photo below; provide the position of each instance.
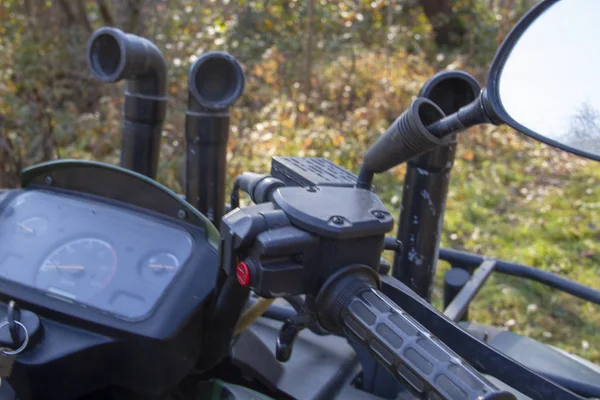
(407, 137)
(470, 115)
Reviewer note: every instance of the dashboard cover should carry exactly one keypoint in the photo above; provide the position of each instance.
(92, 253)
(106, 249)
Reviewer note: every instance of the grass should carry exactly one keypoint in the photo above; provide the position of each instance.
(527, 203)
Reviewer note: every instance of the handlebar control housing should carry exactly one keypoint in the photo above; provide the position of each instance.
(292, 245)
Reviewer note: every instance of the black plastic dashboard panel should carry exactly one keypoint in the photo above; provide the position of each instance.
(137, 330)
(112, 192)
(89, 252)
(166, 307)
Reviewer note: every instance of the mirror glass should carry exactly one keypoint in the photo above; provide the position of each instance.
(550, 82)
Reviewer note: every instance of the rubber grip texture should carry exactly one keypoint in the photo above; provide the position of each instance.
(411, 353)
(406, 138)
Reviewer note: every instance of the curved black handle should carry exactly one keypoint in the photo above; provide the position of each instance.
(411, 353)
(113, 55)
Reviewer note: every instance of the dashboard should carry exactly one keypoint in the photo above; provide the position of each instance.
(91, 253)
(119, 271)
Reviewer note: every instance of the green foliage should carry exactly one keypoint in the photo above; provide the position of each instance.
(509, 197)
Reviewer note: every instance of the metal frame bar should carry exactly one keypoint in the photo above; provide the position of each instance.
(470, 261)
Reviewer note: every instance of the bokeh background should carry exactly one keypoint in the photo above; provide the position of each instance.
(324, 78)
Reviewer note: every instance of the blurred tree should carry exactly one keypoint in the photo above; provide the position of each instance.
(83, 16)
(105, 13)
(308, 48)
(448, 29)
(584, 129)
(64, 5)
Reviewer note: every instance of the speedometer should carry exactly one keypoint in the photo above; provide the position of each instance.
(78, 269)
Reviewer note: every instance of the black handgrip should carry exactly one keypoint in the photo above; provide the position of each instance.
(411, 353)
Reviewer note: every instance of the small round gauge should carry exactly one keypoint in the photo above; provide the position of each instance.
(79, 269)
(33, 226)
(160, 267)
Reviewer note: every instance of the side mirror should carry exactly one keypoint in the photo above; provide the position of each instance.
(544, 79)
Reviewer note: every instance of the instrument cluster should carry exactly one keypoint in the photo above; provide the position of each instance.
(87, 252)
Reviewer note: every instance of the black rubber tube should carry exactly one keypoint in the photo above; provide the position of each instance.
(215, 82)
(279, 313)
(113, 55)
(406, 138)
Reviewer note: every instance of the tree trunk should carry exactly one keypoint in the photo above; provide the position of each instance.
(83, 17)
(30, 10)
(133, 24)
(308, 47)
(64, 4)
(107, 18)
(447, 28)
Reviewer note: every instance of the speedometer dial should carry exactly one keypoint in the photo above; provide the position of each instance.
(79, 269)
(160, 268)
(33, 226)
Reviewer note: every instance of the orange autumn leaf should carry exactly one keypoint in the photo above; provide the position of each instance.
(468, 155)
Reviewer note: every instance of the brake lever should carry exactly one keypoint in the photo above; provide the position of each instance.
(471, 349)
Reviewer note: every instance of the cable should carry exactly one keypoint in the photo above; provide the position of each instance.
(234, 197)
(252, 314)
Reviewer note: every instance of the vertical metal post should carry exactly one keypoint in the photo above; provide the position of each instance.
(206, 162)
(421, 217)
(426, 188)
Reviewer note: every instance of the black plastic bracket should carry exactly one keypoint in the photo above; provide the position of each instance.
(454, 280)
(459, 306)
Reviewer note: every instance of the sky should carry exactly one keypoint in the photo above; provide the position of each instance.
(554, 70)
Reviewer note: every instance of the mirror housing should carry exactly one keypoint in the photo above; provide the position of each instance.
(543, 80)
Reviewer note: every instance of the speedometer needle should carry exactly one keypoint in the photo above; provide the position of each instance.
(74, 267)
(162, 266)
(25, 227)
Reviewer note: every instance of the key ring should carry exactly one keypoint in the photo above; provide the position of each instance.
(25, 341)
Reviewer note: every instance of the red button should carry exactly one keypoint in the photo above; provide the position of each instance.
(243, 273)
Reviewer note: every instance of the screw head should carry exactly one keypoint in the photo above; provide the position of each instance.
(337, 220)
(182, 214)
(378, 214)
(48, 180)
